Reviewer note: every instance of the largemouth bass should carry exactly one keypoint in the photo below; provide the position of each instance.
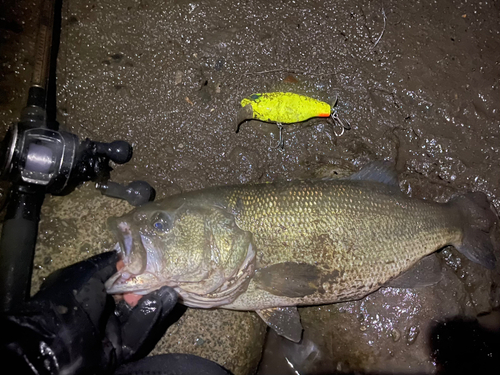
(272, 247)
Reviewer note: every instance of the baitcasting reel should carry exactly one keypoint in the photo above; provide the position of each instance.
(56, 161)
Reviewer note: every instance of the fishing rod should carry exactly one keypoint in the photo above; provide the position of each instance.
(38, 159)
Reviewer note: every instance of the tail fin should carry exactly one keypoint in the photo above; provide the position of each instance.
(480, 223)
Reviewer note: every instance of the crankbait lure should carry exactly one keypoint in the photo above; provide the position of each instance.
(286, 108)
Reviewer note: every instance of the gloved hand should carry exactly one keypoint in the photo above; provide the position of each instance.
(71, 326)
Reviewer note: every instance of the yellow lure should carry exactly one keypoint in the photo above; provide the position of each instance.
(281, 108)
(285, 108)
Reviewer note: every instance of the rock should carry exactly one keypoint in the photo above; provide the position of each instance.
(233, 339)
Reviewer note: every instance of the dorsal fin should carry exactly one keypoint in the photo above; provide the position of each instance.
(378, 171)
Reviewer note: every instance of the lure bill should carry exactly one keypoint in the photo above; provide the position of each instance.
(284, 108)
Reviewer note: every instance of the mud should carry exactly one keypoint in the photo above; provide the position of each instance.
(418, 81)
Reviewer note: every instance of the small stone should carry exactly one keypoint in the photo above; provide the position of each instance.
(290, 79)
(62, 309)
(86, 248)
(178, 77)
(169, 149)
(412, 335)
(395, 334)
(219, 64)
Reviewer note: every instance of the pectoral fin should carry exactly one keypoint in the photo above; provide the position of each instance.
(288, 279)
(426, 272)
(284, 320)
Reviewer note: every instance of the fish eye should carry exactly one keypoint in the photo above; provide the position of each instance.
(161, 222)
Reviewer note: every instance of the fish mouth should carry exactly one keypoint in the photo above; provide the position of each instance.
(142, 262)
(131, 249)
(123, 282)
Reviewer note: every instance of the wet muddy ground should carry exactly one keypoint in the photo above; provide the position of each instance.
(418, 81)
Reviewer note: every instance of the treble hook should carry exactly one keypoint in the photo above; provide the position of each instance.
(346, 125)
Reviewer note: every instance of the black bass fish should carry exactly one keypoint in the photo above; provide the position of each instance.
(271, 247)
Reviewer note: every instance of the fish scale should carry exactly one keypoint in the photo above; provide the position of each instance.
(391, 233)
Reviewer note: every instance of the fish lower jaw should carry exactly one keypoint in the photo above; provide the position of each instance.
(122, 282)
(109, 285)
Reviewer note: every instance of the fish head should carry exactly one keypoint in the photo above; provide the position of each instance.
(197, 249)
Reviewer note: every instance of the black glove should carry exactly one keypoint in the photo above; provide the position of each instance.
(172, 364)
(71, 326)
